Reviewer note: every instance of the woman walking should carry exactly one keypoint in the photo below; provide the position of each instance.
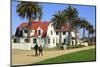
(40, 50)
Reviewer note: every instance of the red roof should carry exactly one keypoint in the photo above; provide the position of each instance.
(43, 25)
(35, 25)
(65, 27)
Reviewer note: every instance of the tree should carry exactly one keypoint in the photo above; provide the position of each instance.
(59, 20)
(84, 25)
(90, 32)
(29, 10)
(71, 13)
(76, 25)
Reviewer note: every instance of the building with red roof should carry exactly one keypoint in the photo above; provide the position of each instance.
(43, 33)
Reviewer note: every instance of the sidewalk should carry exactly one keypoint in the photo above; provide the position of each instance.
(23, 57)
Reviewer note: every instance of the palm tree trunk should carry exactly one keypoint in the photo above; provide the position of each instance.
(69, 38)
(28, 33)
(76, 36)
(88, 37)
(69, 34)
(92, 39)
(60, 39)
(83, 34)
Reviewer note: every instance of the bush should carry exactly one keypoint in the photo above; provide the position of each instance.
(77, 46)
(50, 49)
(69, 47)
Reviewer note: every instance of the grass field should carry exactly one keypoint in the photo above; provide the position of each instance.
(86, 55)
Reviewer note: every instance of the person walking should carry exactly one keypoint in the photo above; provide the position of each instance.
(36, 49)
(40, 50)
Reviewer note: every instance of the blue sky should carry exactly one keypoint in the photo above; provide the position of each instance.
(49, 9)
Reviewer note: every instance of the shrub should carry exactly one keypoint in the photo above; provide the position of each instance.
(69, 47)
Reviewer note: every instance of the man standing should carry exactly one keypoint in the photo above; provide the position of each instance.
(36, 49)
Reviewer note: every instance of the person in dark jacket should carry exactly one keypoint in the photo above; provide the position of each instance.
(36, 49)
(40, 50)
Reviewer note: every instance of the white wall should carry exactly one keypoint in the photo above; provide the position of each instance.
(54, 36)
(31, 32)
(21, 46)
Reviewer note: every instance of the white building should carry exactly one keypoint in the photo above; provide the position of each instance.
(42, 33)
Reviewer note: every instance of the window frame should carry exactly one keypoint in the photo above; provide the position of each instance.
(57, 32)
(53, 41)
(64, 33)
(25, 31)
(64, 40)
(39, 32)
(48, 41)
(51, 32)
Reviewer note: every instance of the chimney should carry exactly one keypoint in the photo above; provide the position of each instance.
(39, 19)
(32, 19)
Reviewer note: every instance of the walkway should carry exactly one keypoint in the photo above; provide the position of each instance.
(23, 57)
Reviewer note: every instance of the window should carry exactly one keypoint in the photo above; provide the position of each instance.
(57, 33)
(48, 41)
(39, 32)
(57, 44)
(72, 42)
(34, 40)
(21, 34)
(15, 40)
(56, 41)
(51, 32)
(64, 40)
(26, 40)
(25, 31)
(53, 40)
(35, 31)
(73, 38)
(64, 33)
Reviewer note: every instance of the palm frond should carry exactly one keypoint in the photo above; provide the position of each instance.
(29, 9)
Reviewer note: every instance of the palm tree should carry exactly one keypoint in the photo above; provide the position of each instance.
(84, 25)
(29, 10)
(59, 20)
(76, 25)
(90, 32)
(88, 28)
(71, 13)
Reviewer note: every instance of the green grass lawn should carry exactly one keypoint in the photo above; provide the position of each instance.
(86, 55)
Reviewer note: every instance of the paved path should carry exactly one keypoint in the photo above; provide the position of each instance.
(23, 57)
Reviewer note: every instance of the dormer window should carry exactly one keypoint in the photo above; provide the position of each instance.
(39, 32)
(51, 32)
(57, 33)
(21, 34)
(64, 33)
(25, 31)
